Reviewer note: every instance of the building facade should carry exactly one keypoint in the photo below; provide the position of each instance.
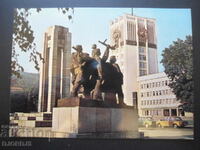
(54, 71)
(155, 97)
(136, 50)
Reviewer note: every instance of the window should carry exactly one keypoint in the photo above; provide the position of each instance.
(143, 72)
(147, 113)
(153, 93)
(141, 49)
(163, 92)
(142, 57)
(156, 112)
(156, 93)
(170, 91)
(160, 101)
(166, 91)
(156, 84)
(166, 112)
(150, 93)
(142, 65)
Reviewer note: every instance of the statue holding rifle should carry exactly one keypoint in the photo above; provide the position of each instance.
(93, 76)
(96, 53)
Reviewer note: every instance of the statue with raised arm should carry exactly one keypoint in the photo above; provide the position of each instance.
(96, 53)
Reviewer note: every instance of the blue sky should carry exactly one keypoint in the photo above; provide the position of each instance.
(92, 24)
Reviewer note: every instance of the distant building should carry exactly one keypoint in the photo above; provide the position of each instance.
(155, 97)
(136, 51)
(54, 71)
(136, 42)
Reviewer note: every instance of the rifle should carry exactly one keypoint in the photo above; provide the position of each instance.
(79, 52)
(107, 45)
(74, 48)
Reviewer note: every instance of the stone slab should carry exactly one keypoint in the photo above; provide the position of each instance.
(86, 119)
(89, 120)
(103, 120)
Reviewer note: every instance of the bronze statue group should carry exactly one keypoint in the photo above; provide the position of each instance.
(93, 77)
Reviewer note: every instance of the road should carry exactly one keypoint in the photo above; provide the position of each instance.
(167, 133)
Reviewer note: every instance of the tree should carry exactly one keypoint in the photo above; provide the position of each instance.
(177, 61)
(23, 37)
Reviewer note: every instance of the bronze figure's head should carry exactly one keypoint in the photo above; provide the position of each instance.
(112, 59)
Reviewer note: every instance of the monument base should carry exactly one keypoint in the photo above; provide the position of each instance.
(91, 119)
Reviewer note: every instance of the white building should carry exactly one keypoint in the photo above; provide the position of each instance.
(135, 39)
(136, 52)
(155, 97)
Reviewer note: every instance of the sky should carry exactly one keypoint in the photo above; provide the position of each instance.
(89, 25)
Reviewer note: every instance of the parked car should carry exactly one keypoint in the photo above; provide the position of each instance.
(147, 122)
(171, 122)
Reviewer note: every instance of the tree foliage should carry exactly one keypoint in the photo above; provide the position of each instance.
(177, 61)
(23, 37)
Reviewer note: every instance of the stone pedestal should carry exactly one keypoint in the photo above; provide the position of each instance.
(94, 119)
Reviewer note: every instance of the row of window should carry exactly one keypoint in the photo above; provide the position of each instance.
(163, 112)
(158, 102)
(156, 93)
(152, 112)
(155, 84)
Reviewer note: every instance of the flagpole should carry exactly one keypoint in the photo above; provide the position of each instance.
(132, 11)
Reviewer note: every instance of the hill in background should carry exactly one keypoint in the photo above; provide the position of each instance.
(24, 92)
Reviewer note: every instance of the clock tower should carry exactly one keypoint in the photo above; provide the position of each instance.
(136, 50)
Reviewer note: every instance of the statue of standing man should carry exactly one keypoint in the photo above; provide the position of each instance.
(117, 80)
(76, 69)
(96, 53)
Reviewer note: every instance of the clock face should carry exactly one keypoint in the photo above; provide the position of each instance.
(116, 35)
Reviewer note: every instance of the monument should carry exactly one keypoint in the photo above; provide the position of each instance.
(54, 71)
(95, 108)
